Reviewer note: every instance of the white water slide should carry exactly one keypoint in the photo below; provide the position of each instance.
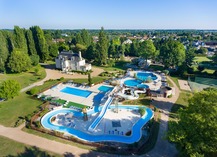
(134, 95)
(102, 113)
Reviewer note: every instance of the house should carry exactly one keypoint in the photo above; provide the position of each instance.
(68, 61)
(128, 41)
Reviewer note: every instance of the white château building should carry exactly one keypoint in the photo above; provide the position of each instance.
(67, 61)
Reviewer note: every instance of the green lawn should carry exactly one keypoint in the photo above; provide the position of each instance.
(20, 106)
(119, 65)
(145, 101)
(182, 102)
(25, 78)
(209, 71)
(12, 148)
(75, 105)
(201, 59)
(175, 80)
(94, 80)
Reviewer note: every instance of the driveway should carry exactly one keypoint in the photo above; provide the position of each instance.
(52, 73)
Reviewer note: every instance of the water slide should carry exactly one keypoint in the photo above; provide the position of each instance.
(102, 113)
(134, 94)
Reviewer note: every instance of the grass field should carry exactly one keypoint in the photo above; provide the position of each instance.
(201, 59)
(20, 106)
(94, 80)
(182, 102)
(15, 149)
(25, 78)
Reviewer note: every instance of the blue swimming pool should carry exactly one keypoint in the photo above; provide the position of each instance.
(77, 92)
(146, 75)
(105, 88)
(135, 83)
(136, 130)
(132, 83)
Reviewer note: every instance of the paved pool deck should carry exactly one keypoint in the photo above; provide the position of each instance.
(89, 101)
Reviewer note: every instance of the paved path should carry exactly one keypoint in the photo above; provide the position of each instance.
(162, 148)
(53, 146)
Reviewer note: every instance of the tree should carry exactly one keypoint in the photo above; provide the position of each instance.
(34, 59)
(111, 50)
(102, 48)
(86, 38)
(90, 52)
(19, 39)
(79, 39)
(30, 43)
(134, 49)
(172, 53)
(147, 49)
(215, 58)
(195, 132)
(3, 52)
(19, 61)
(189, 56)
(9, 89)
(53, 50)
(202, 50)
(89, 79)
(40, 43)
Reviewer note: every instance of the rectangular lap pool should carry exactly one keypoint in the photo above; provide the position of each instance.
(77, 92)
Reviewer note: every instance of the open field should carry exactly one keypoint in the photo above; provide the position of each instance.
(12, 148)
(201, 59)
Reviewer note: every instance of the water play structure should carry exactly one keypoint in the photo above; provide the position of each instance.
(133, 95)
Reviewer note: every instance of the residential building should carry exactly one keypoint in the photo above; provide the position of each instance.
(68, 61)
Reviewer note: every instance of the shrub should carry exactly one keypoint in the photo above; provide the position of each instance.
(141, 111)
(166, 72)
(169, 96)
(33, 91)
(61, 78)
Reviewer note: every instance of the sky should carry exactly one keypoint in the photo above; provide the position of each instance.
(111, 14)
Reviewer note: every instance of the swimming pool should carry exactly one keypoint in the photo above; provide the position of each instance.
(77, 92)
(135, 135)
(105, 88)
(146, 75)
(135, 83)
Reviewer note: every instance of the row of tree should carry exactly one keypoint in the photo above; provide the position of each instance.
(22, 48)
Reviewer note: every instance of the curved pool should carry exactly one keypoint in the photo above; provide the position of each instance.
(145, 75)
(86, 136)
(135, 83)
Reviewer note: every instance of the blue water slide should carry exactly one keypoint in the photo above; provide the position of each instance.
(102, 113)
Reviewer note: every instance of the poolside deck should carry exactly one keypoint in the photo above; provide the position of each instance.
(89, 101)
